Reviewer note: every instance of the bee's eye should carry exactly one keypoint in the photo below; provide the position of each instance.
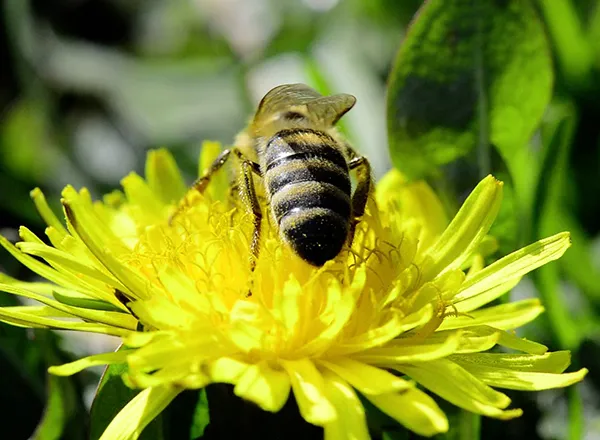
(293, 116)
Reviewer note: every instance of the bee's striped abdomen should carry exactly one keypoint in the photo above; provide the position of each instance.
(307, 179)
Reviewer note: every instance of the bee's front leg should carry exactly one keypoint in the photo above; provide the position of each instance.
(202, 182)
(361, 194)
(249, 168)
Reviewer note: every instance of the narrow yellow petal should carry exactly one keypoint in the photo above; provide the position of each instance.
(163, 176)
(47, 215)
(53, 275)
(23, 319)
(483, 297)
(526, 379)
(138, 193)
(514, 265)
(351, 422)
(97, 236)
(309, 391)
(504, 317)
(413, 409)
(141, 410)
(470, 225)
(415, 199)
(372, 338)
(168, 351)
(344, 307)
(117, 357)
(265, 386)
(44, 311)
(365, 378)
(553, 362)
(67, 262)
(183, 375)
(227, 370)
(411, 350)
(471, 339)
(449, 380)
(116, 319)
(512, 341)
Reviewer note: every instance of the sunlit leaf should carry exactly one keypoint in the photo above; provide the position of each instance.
(468, 75)
(112, 396)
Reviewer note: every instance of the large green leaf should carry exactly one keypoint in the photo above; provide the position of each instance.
(185, 418)
(469, 74)
(112, 396)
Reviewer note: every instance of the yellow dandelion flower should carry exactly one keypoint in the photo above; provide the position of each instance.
(402, 307)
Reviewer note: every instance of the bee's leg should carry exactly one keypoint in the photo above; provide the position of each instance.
(361, 193)
(249, 168)
(202, 182)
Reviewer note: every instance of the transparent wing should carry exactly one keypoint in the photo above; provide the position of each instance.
(325, 109)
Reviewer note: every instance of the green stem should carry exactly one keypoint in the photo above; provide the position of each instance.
(483, 144)
(469, 425)
(574, 51)
(575, 413)
(564, 330)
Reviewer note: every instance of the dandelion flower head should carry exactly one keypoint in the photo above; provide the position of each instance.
(401, 314)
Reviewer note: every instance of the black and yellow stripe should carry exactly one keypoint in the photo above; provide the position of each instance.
(307, 179)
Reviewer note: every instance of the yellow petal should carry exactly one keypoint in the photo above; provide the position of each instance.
(413, 409)
(504, 317)
(309, 391)
(410, 350)
(163, 176)
(117, 357)
(456, 385)
(67, 262)
(103, 244)
(470, 339)
(482, 297)
(470, 225)
(416, 200)
(553, 362)
(22, 319)
(115, 319)
(51, 274)
(345, 305)
(372, 338)
(185, 375)
(42, 207)
(365, 378)
(141, 410)
(265, 386)
(540, 373)
(351, 422)
(513, 266)
(227, 370)
(512, 341)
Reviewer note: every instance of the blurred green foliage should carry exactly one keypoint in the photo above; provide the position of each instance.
(510, 87)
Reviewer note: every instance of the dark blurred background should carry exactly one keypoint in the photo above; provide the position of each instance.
(88, 86)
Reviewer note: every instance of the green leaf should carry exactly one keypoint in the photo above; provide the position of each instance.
(64, 415)
(201, 417)
(112, 396)
(55, 415)
(84, 303)
(464, 425)
(469, 74)
(187, 416)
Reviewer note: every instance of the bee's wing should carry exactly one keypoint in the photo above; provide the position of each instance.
(325, 109)
(329, 109)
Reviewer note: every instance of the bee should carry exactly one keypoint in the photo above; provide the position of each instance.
(302, 164)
